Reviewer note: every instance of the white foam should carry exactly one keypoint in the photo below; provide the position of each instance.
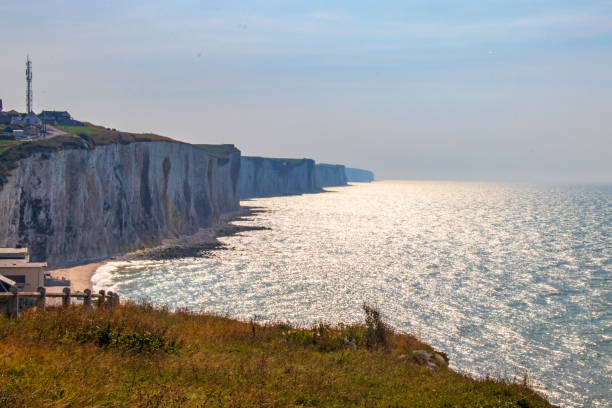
(102, 279)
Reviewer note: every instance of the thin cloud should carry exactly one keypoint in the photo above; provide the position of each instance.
(531, 27)
(326, 16)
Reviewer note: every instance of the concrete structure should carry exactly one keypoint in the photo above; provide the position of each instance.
(14, 253)
(15, 266)
(28, 276)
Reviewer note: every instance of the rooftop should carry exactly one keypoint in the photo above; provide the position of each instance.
(20, 263)
(18, 253)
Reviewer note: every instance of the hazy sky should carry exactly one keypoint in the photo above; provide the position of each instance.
(436, 89)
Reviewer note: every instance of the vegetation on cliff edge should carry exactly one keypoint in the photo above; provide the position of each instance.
(138, 355)
(87, 136)
(219, 151)
(77, 137)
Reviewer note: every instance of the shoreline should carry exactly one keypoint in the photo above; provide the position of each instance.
(205, 239)
(79, 276)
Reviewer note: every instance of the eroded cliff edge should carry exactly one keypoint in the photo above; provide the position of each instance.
(92, 201)
(265, 177)
(329, 175)
(359, 175)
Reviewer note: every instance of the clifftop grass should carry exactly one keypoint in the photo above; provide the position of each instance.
(219, 151)
(137, 355)
(84, 137)
(6, 144)
(77, 137)
(100, 136)
(278, 159)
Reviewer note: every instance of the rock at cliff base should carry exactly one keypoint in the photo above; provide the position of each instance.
(421, 356)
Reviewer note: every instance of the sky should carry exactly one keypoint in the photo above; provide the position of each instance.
(439, 89)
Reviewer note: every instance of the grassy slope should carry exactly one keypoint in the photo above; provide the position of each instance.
(99, 135)
(5, 144)
(139, 356)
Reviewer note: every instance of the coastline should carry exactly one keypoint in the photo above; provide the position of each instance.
(205, 239)
(79, 276)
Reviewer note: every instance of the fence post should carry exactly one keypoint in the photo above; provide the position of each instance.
(42, 300)
(111, 299)
(87, 301)
(116, 299)
(66, 298)
(14, 304)
(101, 299)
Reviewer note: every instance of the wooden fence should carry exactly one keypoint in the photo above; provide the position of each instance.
(12, 299)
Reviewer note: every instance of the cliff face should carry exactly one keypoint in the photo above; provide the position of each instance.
(329, 175)
(81, 204)
(359, 175)
(262, 176)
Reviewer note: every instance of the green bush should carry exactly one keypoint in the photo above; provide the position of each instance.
(376, 329)
(135, 341)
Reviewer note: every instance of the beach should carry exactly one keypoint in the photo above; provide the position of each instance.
(205, 239)
(79, 276)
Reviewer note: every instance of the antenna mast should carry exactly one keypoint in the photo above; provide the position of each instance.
(29, 97)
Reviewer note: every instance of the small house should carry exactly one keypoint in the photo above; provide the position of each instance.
(15, 266)
(31, 119)
(56, 117)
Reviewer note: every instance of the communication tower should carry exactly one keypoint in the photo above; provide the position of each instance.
(29, 97)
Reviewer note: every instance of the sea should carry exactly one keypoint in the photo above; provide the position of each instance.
(513, 281)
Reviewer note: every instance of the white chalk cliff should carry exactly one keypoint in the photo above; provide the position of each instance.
(85, 203)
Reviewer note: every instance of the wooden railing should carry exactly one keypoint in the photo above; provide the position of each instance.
(12, 299)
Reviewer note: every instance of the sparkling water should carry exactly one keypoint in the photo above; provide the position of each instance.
(508, 280)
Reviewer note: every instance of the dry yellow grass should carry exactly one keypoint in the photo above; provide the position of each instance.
(137, 355)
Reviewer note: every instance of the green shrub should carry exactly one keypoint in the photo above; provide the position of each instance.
(135, 341)
(376, 329)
